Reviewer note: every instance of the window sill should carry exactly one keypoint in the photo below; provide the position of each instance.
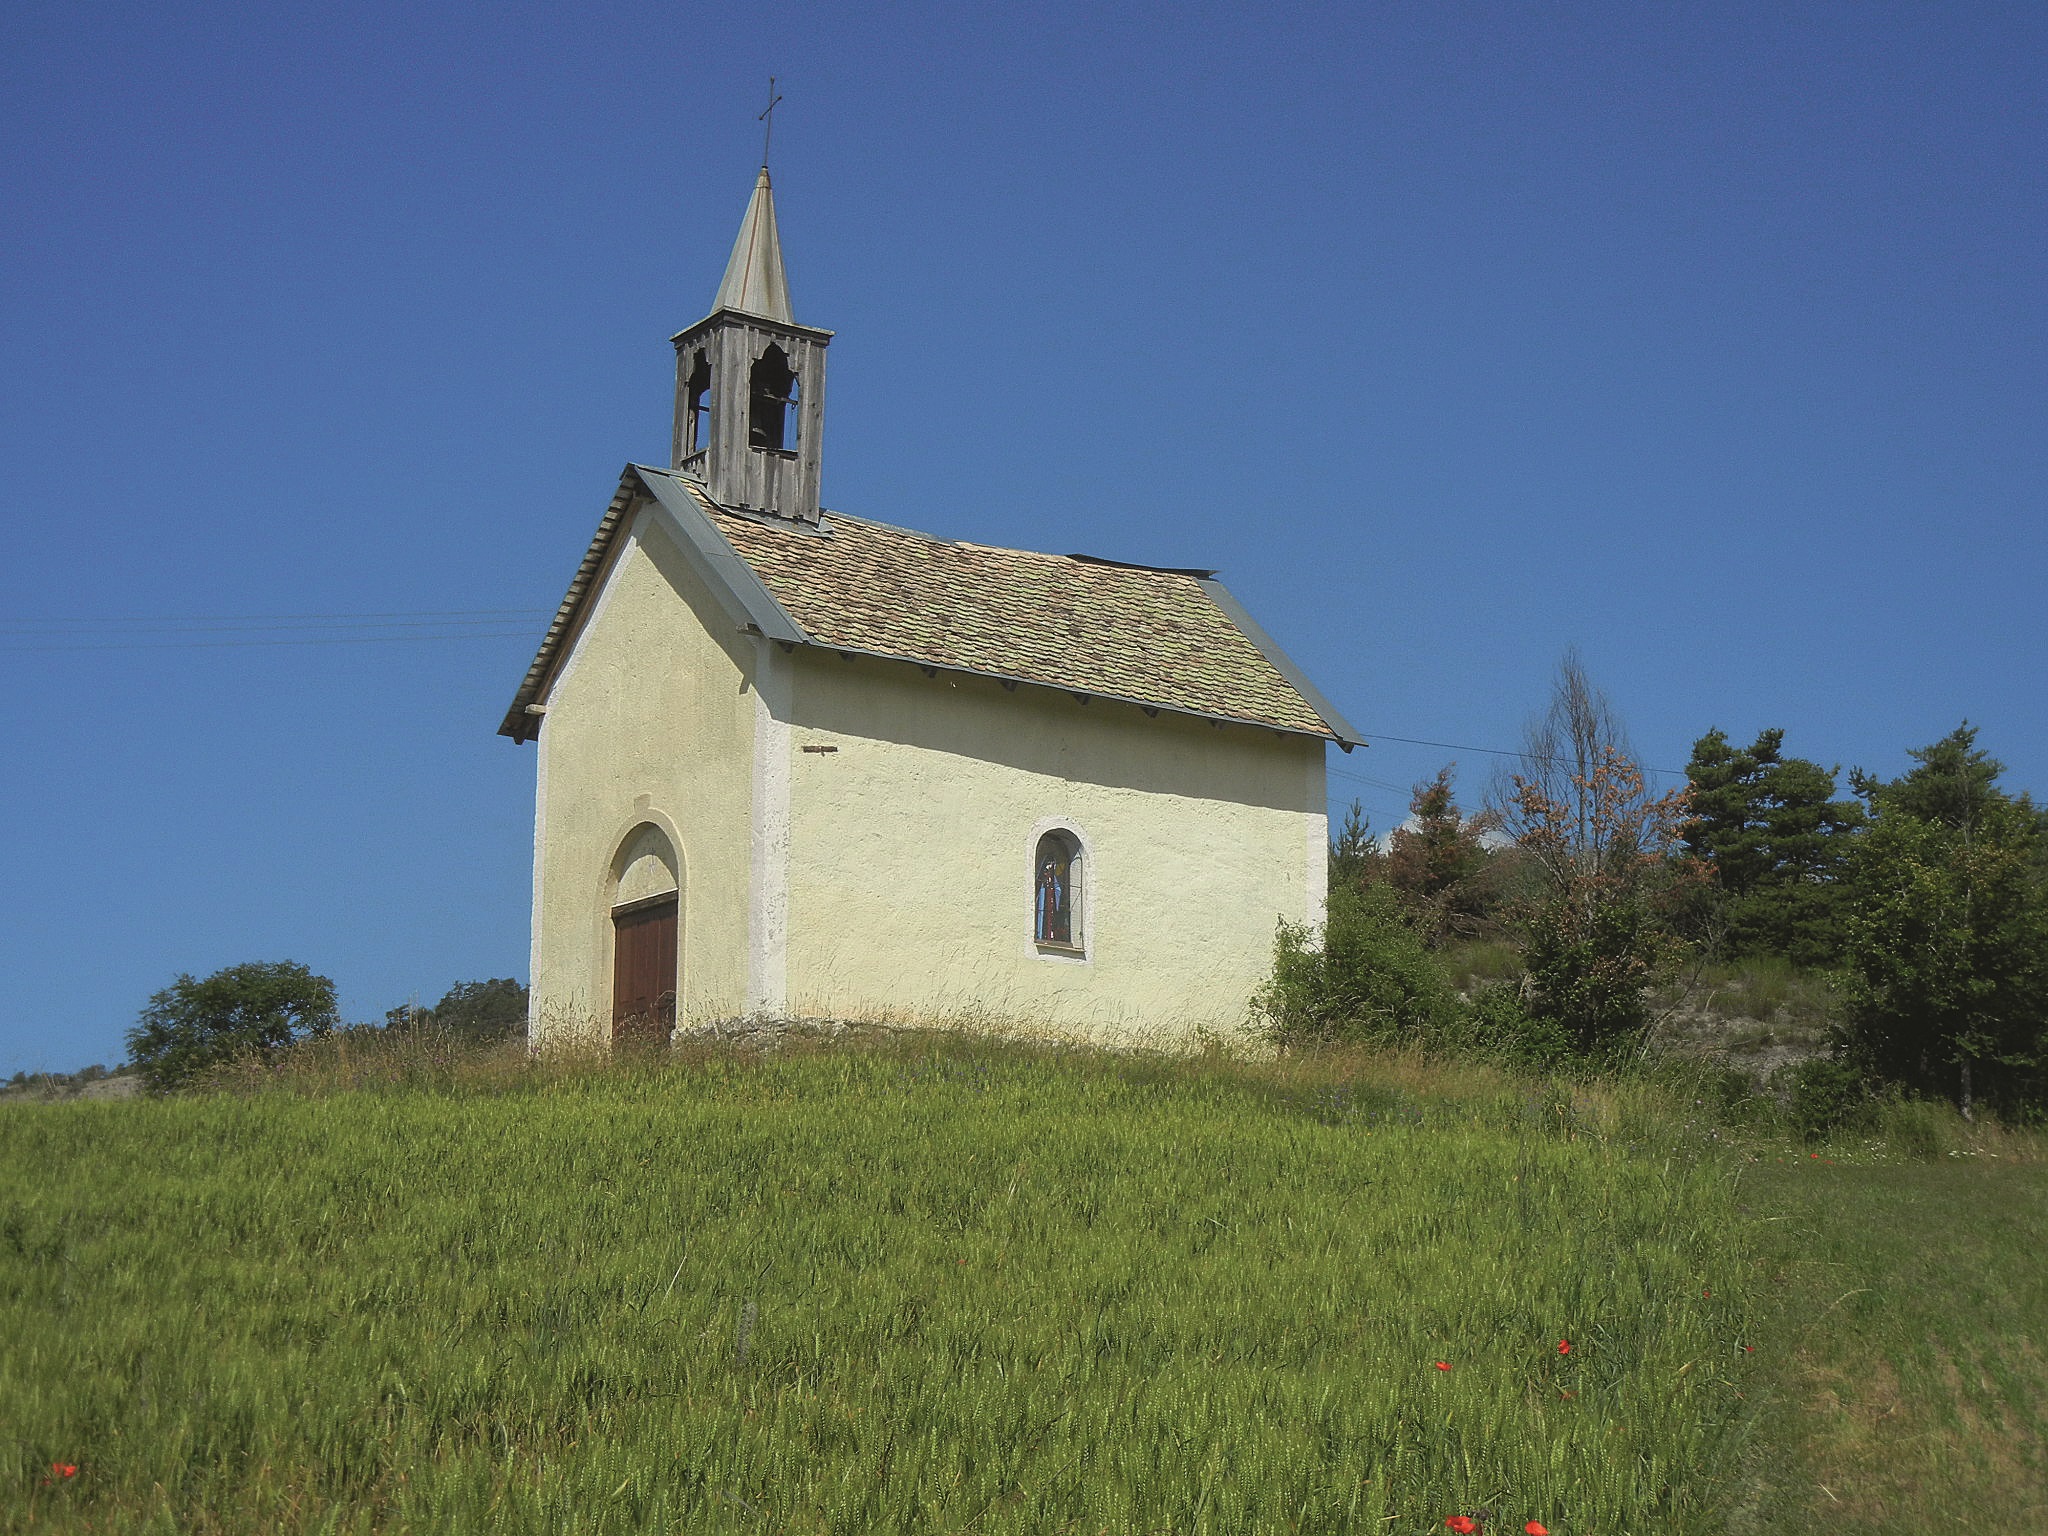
(1065, 951)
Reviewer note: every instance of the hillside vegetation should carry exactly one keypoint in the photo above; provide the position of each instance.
(1879, 950)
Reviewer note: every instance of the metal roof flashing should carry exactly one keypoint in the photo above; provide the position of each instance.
(1200, 573)
(742, 593)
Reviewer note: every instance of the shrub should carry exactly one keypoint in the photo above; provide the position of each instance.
(1371, 979)
(1826, 1095)
(1482, 962)
(1499, 1023)
(1592, 955)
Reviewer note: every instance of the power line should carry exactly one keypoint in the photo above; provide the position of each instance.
(525, 634)
(1452, 746)
(1392, 789)
(178, 623)
(179, 632)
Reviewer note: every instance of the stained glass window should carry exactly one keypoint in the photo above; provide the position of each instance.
(1055, 896)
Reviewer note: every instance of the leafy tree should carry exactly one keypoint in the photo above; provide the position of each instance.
(484, 1010)
(1579, 803)
(243, 1010)
(1599, 845)
(1948, 943)
(475, 1010)
(1777, 840)
(1439, 861)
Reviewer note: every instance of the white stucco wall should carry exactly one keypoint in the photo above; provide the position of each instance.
(910, 847)
(651, 723)
(891, 876)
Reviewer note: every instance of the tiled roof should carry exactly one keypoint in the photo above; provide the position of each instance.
(1152, 636)
(1169, 639)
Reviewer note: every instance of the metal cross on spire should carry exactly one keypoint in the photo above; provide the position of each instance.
(767, 117)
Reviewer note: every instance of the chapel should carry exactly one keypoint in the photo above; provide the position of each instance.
(794, 762)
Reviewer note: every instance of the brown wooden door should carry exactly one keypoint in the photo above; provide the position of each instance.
(644, 972)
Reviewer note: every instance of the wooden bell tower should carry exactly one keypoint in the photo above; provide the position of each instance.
(750, 383)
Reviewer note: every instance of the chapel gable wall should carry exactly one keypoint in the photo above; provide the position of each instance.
(650, 723)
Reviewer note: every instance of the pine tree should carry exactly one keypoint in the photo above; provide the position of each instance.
(1355, 858)
(1776, 839)
(1953, 780)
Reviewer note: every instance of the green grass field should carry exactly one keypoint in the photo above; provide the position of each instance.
(932, 1286)
(939, 1285)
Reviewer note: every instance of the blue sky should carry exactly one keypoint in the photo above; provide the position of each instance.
(1708, 339)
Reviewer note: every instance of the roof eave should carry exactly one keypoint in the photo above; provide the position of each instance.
(522, 720)
(730, 579)
(1342, 731)
(815, 333)
(1155, 705)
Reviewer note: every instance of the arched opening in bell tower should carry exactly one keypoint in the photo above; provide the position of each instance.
(697, 407)
(771, 403)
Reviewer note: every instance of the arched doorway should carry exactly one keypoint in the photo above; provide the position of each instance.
(646, 910)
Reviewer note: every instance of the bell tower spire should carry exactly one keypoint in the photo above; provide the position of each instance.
(754, 280)
(750, 382)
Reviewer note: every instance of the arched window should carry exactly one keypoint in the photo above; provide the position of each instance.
(1056, 891)
(697, 416)
(771, 402)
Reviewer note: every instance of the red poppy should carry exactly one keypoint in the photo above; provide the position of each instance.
(1444, 1365)
(1537, 1528)
(64, 1469)
(1564, 1346)
(1707, 1293)
(1464, 1525)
